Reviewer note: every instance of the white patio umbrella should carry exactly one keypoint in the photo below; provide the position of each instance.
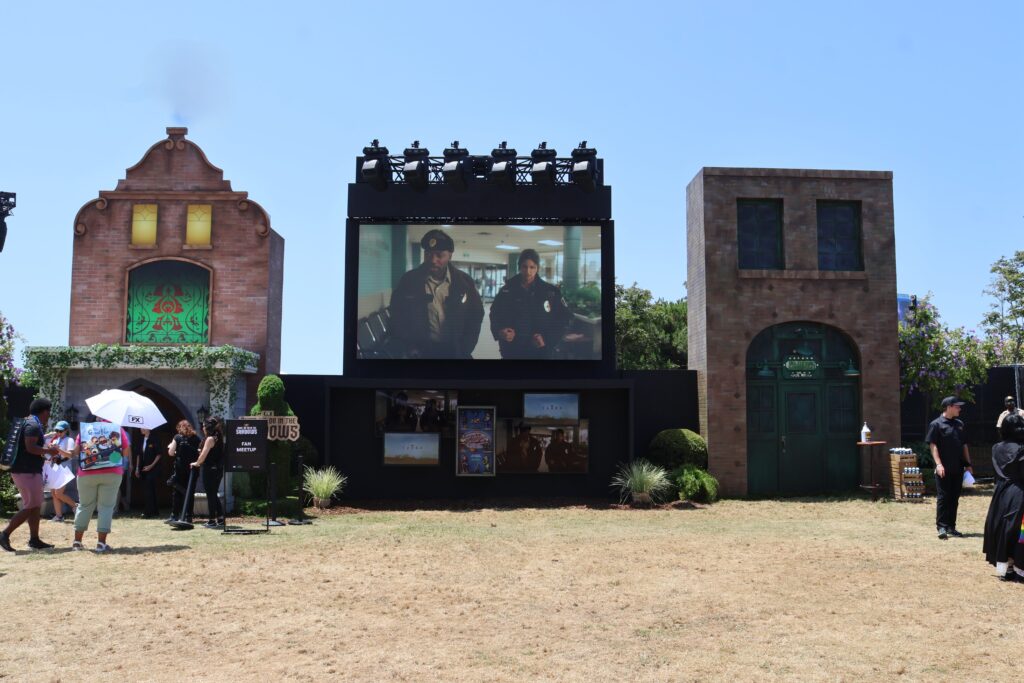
(125, 408)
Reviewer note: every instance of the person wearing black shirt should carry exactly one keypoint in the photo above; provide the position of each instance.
(146, 471)
(211, 464)
(27, 473)
(184, 449)
(529, 317)
(1002, 525)
(947, 439)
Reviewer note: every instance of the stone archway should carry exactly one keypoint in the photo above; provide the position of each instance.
(803, 410)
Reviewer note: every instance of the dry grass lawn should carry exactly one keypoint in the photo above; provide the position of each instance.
(843, 590)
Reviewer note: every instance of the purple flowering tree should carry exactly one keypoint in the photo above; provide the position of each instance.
(936, 360)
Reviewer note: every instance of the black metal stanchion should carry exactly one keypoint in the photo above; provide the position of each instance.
(300, 519)
(272, 496)
(190, 490)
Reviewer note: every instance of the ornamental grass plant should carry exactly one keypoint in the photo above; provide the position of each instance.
(639, 478)
(324, 483)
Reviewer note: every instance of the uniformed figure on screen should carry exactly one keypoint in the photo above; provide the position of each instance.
(561, 456)
(528, 316)
(524, 452)
(436, 310)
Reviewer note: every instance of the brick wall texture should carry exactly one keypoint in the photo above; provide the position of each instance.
(246, 258)
(729, 307)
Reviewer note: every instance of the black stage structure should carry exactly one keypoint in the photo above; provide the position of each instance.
(394, 203)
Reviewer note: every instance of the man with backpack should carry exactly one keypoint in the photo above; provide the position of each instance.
(27, 473)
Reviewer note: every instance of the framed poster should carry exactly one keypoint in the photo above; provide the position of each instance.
(474, 455)
(102, 446)
(412, 448)
(245, 447)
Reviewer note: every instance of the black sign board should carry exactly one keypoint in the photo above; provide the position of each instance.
(246, 446)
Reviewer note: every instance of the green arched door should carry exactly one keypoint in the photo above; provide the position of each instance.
(803, 411)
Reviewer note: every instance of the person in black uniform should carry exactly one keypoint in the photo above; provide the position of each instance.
(1003, 523)
(436, 311)
(947, 439)
(184, 449)
(561, 455)
(528, 316)
(146, 470)
(211, 464)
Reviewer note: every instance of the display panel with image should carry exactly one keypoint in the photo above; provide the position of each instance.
(552, 408)
(415, 410)
(476, 442)
(523, 292)
(534, 448)
(401, 448)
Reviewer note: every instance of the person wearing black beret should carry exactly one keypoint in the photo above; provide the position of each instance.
(436, 311)
(528, 316)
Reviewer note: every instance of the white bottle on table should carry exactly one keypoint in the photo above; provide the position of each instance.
(865, 433)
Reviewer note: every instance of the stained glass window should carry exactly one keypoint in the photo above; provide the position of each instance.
(759, 231)
(168, 303)
(197, 230)
(839, 243)
(144, 225)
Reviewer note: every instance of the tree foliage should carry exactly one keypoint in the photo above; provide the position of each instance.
(649, 334)
(936, 360)
(1004, 322)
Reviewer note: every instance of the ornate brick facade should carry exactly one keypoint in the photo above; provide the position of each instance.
(729, 306)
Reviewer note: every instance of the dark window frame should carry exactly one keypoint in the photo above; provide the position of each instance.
(831, 254)
(754, 231)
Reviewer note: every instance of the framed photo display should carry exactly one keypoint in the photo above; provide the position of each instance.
(475, 453)
(412, 449)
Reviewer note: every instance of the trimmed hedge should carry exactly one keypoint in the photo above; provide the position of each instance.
(672, 448)
(695, 484)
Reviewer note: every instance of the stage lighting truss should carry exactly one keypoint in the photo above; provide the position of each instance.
(459, 169)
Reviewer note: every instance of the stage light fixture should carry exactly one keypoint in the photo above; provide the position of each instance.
(8, 200)
(542, 171)
(584, 167)
(458, 167)
(417, 166)
(503, 166)
(376, 168)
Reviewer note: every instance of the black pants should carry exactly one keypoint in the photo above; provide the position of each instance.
(211, 484)
(947, 501)
(148, 480)
(178, 494)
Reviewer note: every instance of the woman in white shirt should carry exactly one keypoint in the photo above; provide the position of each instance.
(56, 474)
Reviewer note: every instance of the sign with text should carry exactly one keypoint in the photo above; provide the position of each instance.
(281, 427)
(245, 449)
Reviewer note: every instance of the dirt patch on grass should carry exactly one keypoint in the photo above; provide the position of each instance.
(742, 590)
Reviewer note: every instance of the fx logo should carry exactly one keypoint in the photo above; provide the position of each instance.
(135, 419)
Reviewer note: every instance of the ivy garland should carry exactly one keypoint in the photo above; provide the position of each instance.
(46, 367)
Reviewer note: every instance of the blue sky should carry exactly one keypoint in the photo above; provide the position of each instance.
(284, 96)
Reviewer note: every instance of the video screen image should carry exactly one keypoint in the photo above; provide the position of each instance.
(552, 408)
(415, 410)
(493, 292)
(411, 449)
(531, 448)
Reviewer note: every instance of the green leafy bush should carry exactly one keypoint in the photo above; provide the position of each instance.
(323, 483)
(585, 300)
(672, 448)
(924, 454)
(695, 484)
(641, 476)
(8, 493)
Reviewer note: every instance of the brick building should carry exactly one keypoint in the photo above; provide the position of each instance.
(791, 278)
(172, 257)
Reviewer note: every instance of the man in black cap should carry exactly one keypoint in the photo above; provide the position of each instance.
(436, 311)
(528, 316)
(948, 442)
(1011, 407)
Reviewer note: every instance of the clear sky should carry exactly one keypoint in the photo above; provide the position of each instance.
(283, 96)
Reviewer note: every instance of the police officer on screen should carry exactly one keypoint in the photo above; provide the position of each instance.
(528, 316)
(436, 310)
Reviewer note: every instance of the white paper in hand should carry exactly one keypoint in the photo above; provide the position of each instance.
(968, 478)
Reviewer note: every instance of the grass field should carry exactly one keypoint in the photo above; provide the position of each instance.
(843, 590)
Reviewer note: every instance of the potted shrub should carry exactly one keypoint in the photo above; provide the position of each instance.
(322, 485)
(641, 482)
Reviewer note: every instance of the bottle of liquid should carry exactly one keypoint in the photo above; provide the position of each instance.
(865, 433)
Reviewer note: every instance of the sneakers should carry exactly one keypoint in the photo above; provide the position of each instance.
(214, 524)
(77, 545)
(5, 542)
(102, 548)
(39, 544)
(943, 534)
(57, 518)
(955, 534)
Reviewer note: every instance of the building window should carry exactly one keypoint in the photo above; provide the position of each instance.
(168, 303)
(197, 230)
(839, 241)
(759, 231)
(144, 225)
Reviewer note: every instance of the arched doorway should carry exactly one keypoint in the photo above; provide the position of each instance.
(803, 410)
(173, 410)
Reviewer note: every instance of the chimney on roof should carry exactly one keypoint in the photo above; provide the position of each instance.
(174, 133)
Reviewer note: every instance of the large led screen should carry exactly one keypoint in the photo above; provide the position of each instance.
(524, 292)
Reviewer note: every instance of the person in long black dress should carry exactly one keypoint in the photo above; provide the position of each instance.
(1002, 545)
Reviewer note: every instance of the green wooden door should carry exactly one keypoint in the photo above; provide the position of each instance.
(801, 461)
(762, 439)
